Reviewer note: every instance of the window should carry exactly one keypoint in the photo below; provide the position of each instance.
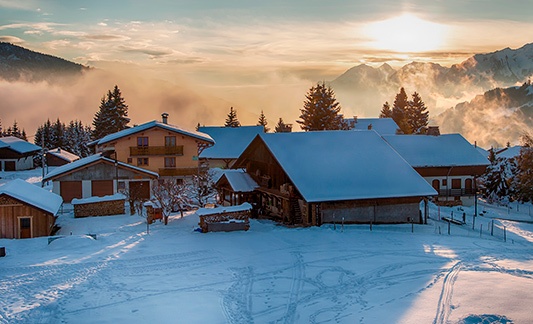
(179, 181)
(170, 140)
(142, 161)
(444, 182)
(142, 141)
(170, 162)
(456, 183)
(130, 160)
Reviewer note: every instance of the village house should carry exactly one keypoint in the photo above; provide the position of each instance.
(311, 178)
(27, 210)
(230, 142)
(168, 150)
(97, 175)
(448, 162)
(59, 157)
(16, 154)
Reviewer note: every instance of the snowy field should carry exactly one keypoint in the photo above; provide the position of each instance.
(272, 274)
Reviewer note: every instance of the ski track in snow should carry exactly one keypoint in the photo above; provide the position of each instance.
(36, 294)
(445, 299)
(326, 284)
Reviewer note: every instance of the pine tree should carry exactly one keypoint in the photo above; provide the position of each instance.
(263, 122)
(386, 112)
(281, 127)
(57, 135)
(321, 111)
(399, 111)
(112, 114)
(231, 120)
(524, 177)
(417, 114)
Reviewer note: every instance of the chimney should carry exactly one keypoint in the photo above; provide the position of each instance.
(433, 130)
(164, 117)
(369, 126)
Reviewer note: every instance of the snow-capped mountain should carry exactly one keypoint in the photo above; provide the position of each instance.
(502, 67)
(19, 63)
(363, 89)
(498, 116)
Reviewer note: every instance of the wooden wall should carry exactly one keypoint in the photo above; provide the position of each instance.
(11, 209)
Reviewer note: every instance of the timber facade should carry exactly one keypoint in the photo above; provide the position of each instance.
(19, 219)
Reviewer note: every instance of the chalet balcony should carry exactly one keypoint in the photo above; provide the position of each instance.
(156, 150)
(177, 172)
(456, 192)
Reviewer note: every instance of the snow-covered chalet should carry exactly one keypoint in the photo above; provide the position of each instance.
(311, 178)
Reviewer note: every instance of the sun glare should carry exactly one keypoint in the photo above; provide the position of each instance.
(406, 33)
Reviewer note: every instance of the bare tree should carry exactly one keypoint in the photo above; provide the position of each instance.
(170, 195)
(203, 188)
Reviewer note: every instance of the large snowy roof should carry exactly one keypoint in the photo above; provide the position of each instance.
(33, 195)
(384, 126)
(230, 141)
(89, 160)
(509, 152)
(239, 180)
(18, 145)
(436, 151)
(344, 165)
(62, 154)
(151, 124)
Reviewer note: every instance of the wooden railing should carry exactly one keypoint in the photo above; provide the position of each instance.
(174, 172)
(156, 150)
(456, 192)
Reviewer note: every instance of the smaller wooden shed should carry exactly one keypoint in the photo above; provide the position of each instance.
(225, 219)
(27, 210)
(59, 157)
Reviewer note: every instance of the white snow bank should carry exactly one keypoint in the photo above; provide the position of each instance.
(79, 201)
(219, 210)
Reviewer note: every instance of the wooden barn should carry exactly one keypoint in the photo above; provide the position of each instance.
(99, 176)
(311, 178)
(27, 210)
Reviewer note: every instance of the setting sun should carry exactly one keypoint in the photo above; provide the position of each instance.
(406, 33)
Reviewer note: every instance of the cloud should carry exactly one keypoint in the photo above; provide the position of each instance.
(146, 49)
(11, 39)
(106, 37)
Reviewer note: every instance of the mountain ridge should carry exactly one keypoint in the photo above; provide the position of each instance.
(21, 64)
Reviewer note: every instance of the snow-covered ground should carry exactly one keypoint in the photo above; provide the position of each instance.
(272, 273)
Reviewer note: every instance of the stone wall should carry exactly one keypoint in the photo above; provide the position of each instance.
(100, 208)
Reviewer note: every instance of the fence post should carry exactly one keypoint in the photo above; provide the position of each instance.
(412, 227)
(448, 228)
(473, 222)
(504, 234)
(480, 229)
(492, 228)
